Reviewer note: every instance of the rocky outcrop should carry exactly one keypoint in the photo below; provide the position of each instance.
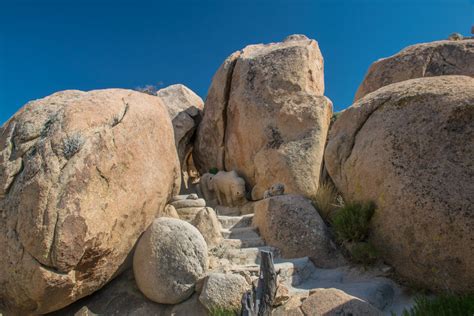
(223, 188)
(408, 147)
(70, 167)
(422, 60)
(185, 110)
(169, 258)
(266, 117)
(334, 302)
(209, 226)
(223, 291)
(292, 224)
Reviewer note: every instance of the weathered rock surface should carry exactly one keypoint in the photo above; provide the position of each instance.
(422, 60)
(223, 291)
(69, 165)
(266, 117)
(292, 224)
(333, 302)
(209, 226)
(185, 110)
(169, 258)
(189, 203)
(408, 147)
(169, 211)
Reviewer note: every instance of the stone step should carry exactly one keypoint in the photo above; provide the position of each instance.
(244, 243)
(227, 210)
(240, 233)
(228, 222)
(291, 271)
(247, 256)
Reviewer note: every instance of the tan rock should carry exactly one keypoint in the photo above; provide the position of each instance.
(223, 291)
(292, 224)
(266, 117)
(422, 60)
(68, 215)
(188, 213)
(169, 211)
(408, 147)
(185, 110)
(189, 203)
(208, 150)
(170, 257)
(229, 188)
(210, 227)
(334, 302)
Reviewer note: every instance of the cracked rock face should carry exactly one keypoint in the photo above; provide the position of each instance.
(71, 167)
(266, 117)
(409, 147)
(422, 60)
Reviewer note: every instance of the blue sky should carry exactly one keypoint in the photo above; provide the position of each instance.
(46, 46)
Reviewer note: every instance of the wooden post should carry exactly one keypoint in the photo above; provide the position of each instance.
(259, 301)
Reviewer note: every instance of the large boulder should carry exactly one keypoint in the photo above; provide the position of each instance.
(408, 147)
(185, 110)
(266, 117)
(292, 224)
(169, 259)
(422, 60)
(71, 166)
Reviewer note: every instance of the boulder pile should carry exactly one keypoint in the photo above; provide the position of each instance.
(93, 219)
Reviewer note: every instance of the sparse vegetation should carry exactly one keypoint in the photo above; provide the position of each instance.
(72, 145)
(149, 88)
(362, 252)
(446, 305)
(213, 170)
(221, 311)
(351, 222)
(326, 200)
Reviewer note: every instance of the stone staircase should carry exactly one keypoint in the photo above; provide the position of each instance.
(240, 253)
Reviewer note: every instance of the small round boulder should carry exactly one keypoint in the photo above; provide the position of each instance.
(170, 257)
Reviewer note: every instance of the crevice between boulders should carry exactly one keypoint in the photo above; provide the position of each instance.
(227, 91)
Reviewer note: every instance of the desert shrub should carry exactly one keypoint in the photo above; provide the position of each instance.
(148, 89)
(351, 222)
(221, 311)
(326, 200)
(363, 252)
(72, 145)
(213, 170)
(444, 305)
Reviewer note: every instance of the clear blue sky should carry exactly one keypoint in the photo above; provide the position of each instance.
(46, 46)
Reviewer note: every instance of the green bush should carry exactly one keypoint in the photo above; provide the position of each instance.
(221, 311)
(351, 222)
(363, 252)
(213, 170)
(444, 305)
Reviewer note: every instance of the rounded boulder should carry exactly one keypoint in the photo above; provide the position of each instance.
(170, 258)
(408, 147)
